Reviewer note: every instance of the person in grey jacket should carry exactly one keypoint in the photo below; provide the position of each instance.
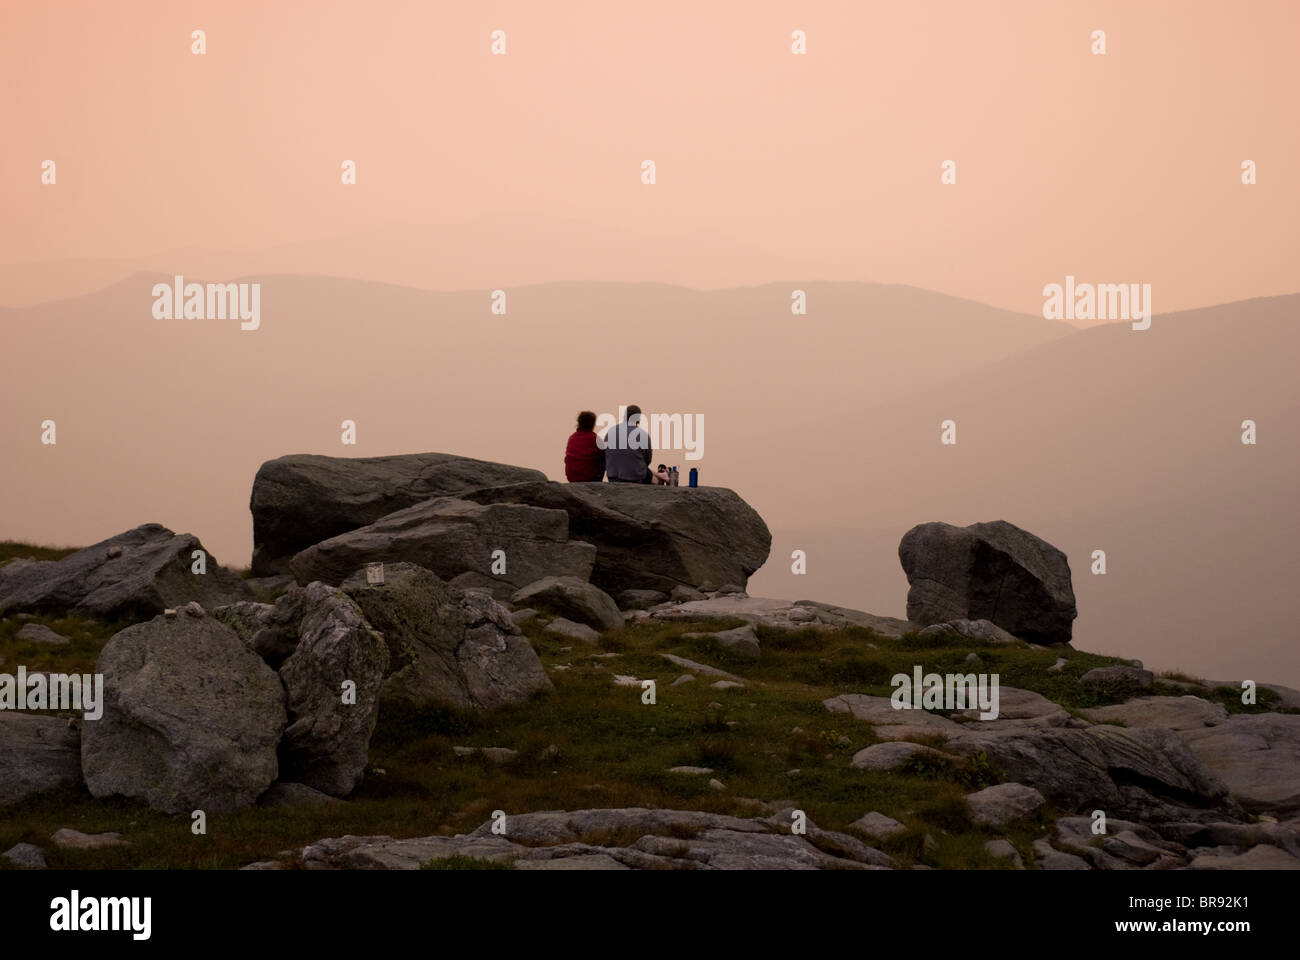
(627, 450)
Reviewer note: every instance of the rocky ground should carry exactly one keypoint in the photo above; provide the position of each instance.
(577, 715)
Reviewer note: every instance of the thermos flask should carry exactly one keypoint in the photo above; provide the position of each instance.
(695, 477)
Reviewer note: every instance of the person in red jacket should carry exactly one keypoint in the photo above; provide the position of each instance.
(584, 461)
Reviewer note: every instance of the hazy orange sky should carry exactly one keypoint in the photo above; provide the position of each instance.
(1115, 168)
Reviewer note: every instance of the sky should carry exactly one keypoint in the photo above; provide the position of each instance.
(1122, 167)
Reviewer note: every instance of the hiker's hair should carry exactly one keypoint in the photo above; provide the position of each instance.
(586, 420)
(632, 411)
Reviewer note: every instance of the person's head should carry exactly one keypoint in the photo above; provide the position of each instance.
(586, 421)
(633, 414)
(661, 467)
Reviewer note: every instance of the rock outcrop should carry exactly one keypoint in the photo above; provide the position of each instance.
(303, 499)
(138, 573)
(988, 571)
(446, 645)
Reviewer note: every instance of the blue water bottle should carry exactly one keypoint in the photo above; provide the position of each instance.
(695, 477)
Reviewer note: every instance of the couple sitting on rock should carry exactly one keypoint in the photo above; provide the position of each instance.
(624, 454)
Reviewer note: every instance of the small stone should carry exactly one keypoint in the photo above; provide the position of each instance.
(726, 685)
(114, 552)
(26, 855)
(793, 772)
(716, 784)
(1003, 803)
(893, 754)
(574, 631)
(69, 839)
(796, 731)
(38, 633)
(684, 678)
(691, 771)
(1058, 666)
(973, 658)
(1003, 850)
(875, 824)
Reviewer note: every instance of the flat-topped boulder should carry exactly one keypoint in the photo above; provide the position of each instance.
(457, 539)
(769, 612)
(141, 572)
(303, 499)
(988, 571)
(653, 537)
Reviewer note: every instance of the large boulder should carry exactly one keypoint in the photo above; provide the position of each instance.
(573, 598)
(140, 572)
(455, 538)
(303, 499)
(988, 571)
(37, 753)
(448, 646)
(327, 742)
(653, 537)
(191, 717)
